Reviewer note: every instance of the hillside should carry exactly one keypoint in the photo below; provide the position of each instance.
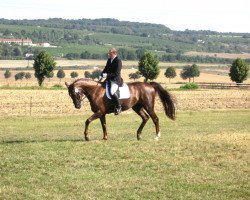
(90, 39)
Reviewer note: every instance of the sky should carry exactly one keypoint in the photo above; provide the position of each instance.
(215, 15)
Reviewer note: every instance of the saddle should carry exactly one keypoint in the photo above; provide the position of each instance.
(123, 91)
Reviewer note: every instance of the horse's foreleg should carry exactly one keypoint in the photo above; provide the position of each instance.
(104, 127)
(140, 111)
(88, 121)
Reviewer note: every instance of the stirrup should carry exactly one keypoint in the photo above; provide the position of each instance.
(118, 110)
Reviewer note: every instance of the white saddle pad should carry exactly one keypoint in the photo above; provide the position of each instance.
(124, 90)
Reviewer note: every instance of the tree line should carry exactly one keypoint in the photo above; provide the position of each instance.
(44, 65)
(16, 52)
(105, 25)
(86, 32)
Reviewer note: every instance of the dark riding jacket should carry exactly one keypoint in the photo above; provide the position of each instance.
(113, 70)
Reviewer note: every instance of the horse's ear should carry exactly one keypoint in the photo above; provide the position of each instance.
(67, 85)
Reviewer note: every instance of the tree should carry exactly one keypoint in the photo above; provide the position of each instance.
(50, 75)
(5, 51)
(140, 52)
(74, 74)
(7, 74)
(190, 72)
(148, 66)
(60, 74)
(43, 65)
(195, 71)
(19, 76)
(87, 74)
(17, 51)
(135, 75)
(85, 55)
(96, 74)
(170, 73)
(27, 75)
(239, 70)
(186, 73)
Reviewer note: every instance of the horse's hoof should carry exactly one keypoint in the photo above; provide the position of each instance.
(105, 138)
(138, 137)
(158, 135)
(86, 139)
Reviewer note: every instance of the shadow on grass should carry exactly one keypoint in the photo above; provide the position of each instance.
(39, 141)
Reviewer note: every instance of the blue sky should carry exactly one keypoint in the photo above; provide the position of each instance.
(216, 15)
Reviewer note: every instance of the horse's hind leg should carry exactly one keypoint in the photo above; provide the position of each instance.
(140, 111)
(155, 119)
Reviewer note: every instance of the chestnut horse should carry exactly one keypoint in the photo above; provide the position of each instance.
(142, 100)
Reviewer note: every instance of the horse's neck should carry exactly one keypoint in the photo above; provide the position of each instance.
(89, 88)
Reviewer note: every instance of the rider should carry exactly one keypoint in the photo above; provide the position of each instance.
(112, 71)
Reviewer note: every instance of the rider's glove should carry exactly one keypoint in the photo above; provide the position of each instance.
(100, 79)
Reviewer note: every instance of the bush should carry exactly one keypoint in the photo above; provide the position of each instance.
(96, 73)
(74, 74)
(135, 75)
(190, 86)
(60, 74)
(57, 86)
(7, 74)
(19, 76)
(87, 74)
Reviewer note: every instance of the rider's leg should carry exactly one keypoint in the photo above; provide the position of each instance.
(118, 107)
(115, 99)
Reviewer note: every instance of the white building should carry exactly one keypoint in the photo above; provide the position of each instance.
(25, 42)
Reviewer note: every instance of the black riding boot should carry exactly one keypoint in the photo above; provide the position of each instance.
(118, 107)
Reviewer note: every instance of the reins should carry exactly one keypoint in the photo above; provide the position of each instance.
(83, 96)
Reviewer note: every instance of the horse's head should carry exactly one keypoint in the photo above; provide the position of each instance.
(75, 93)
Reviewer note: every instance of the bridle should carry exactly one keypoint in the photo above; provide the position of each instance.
(83, 96)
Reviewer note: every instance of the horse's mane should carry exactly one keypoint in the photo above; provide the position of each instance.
(83, 79)
(89, 81)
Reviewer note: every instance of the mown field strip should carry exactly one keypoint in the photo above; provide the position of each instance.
(58, 102)
(202, 155)
(62, 63)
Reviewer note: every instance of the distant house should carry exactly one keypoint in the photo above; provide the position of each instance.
(25, 42)
(29, 55)
(45, 44)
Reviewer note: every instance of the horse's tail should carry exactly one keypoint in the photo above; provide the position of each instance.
(166, 99)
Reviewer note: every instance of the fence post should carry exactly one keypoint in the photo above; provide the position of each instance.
(30, 105)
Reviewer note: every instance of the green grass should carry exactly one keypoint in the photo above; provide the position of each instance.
(76, 48)
(202, 155)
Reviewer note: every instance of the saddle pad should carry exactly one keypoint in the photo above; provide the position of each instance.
(124, 91)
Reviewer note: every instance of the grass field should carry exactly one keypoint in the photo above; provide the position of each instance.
(202, 155)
